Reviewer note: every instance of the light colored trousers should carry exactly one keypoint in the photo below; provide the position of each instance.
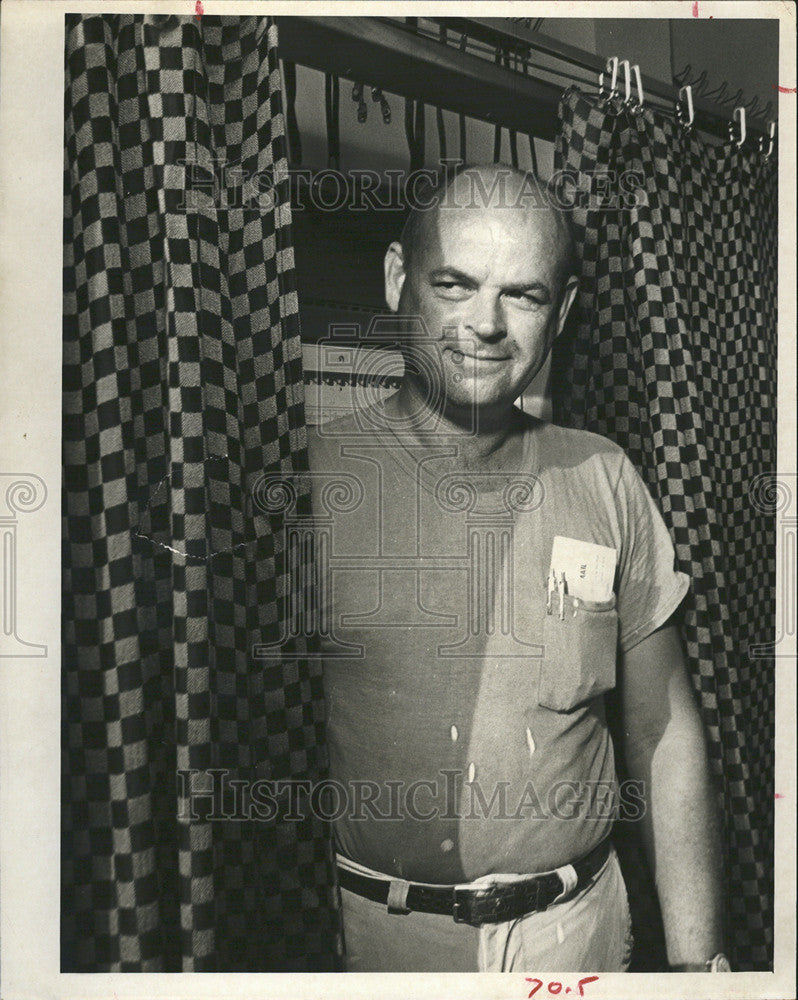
(590, 932)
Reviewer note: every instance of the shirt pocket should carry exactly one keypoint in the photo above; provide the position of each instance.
(580, 652)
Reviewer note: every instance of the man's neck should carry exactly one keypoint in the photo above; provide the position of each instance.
(486, 440)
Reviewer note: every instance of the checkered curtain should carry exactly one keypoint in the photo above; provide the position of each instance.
(182, 385)
(673, 355)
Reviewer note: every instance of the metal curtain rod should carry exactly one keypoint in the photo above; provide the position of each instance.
(383, 53)
(709, 116)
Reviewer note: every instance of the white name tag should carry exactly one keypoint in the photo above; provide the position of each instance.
(589, 569)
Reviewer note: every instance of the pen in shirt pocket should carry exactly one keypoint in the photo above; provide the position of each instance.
(561, 589)
(551, 586)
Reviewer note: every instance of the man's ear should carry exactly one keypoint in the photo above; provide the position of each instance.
(567, 300)
(394, 275)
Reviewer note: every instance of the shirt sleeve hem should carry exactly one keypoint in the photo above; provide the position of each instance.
(664, 610)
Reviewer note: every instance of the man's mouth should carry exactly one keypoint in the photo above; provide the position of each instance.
(458, 356)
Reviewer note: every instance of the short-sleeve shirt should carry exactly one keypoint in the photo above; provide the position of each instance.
(466, 723)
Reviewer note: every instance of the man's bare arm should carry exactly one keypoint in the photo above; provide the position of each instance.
(665, 748)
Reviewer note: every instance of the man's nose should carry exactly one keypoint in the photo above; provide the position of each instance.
(486, 316)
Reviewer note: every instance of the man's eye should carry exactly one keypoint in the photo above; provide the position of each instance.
(451, 288)
(526, 299)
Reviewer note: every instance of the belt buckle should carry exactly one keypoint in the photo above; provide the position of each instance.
(471, 907)
(461, 905)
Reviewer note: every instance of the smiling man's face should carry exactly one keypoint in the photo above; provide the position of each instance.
(488, 284)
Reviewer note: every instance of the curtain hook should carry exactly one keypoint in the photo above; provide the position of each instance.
(627, 78)
(612, 67)
(771, 137)
(378, 97)
(739, 115)
(362, 107)
(718, 94)
(686, 93)
(750, 108)
(700, 83)
(638, 80)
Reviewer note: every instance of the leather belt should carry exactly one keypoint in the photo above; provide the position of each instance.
(490, 904)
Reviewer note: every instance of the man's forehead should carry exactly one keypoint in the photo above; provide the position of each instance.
(498, 186)
(498, 198)
(474, 235)
(516, 220)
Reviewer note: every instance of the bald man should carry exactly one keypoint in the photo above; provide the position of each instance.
(492, 579)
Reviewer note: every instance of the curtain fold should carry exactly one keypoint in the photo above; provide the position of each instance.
(672, 354)
(182, 387)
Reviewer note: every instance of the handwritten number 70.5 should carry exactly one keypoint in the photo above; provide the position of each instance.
(554, 987)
